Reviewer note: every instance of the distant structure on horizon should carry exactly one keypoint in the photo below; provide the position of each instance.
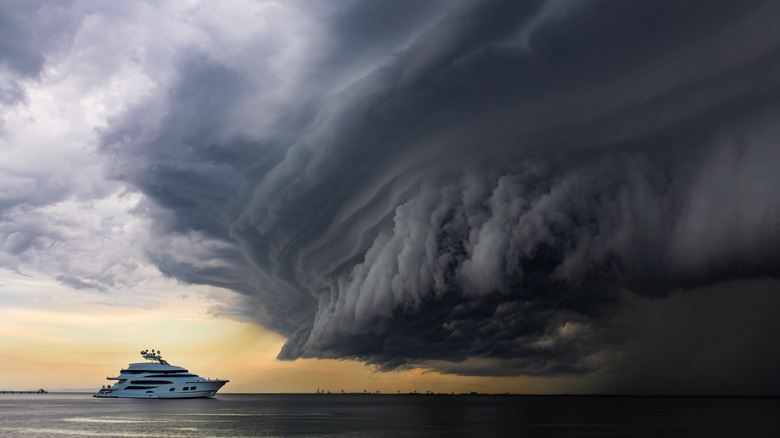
(39, 391)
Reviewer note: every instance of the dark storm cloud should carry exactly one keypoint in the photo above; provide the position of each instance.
(483, 198)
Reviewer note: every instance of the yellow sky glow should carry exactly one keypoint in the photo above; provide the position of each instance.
(75, 350)
(75, 341)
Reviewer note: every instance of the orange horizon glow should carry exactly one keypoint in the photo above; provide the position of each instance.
(62, 353)
(76, 339)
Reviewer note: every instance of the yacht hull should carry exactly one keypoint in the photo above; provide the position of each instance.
(205, 389)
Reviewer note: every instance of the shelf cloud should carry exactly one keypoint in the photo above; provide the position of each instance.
(480, 188)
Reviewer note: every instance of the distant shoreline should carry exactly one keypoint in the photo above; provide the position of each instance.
(36, 391)
(422, 394)
(480, 394)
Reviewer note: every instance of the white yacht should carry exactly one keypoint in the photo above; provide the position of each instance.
(159, 379)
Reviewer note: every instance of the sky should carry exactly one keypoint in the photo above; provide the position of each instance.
(510, 196)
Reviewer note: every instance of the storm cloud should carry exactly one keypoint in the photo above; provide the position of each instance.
(480, 188)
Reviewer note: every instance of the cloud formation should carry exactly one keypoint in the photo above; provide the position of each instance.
(481, 188)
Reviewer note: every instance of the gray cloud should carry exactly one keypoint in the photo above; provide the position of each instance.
(20, 50)
(486, 193)
(29, 30)
(58, 216)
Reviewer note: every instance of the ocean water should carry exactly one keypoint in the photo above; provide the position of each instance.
(360, 415)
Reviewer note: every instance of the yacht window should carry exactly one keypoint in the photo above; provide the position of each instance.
(149, 392)
(171, 389)
(193, 388)
(186, 388)
(151, 382)
(171, 375)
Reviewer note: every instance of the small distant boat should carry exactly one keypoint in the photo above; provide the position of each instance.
(159, 379)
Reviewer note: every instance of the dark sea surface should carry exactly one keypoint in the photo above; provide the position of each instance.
(359, 415)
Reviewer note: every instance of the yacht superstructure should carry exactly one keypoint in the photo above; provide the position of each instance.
(159, 379)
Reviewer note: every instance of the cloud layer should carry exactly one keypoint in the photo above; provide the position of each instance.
(481, 188)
